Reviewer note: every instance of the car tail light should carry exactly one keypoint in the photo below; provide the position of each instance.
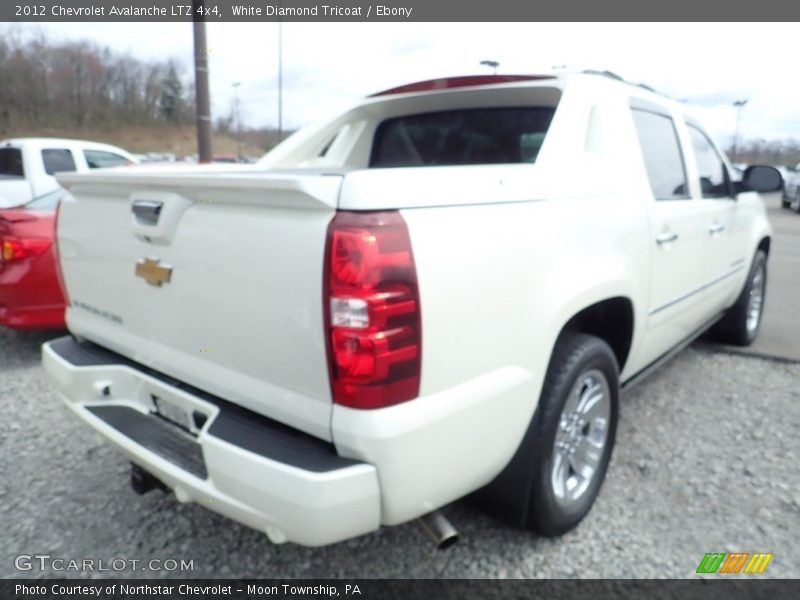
(13, 248)
(372, 312)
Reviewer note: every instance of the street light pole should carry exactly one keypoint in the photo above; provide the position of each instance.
(739, 104)
(492, 64)
(238, 108)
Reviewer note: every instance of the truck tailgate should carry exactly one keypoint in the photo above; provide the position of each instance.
(214, 279)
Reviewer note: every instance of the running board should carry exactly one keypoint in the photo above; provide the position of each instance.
(665, 358)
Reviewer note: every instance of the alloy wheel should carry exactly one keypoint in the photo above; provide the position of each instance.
(581, 437)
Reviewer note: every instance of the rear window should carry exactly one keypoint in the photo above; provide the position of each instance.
(56, 160)
(11, 163)
(462, 137)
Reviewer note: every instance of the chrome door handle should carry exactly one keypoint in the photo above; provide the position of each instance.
(665, 237)
(716, 228)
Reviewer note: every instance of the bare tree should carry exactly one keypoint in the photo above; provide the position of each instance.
(74, 84)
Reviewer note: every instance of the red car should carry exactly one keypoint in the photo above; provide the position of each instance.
(30, 291)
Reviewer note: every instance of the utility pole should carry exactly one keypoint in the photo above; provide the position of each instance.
(739, 104)
(205, 151)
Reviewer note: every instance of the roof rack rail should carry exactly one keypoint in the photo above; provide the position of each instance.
(606, 73)
(444, 83)
(614, 76)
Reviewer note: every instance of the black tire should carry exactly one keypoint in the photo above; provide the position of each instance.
(795, 202)
(785, 202)
(733, 327)
(575, 356)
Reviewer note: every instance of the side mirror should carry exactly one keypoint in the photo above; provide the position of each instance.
(762, 179)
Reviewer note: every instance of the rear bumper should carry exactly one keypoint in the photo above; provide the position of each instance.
(249, 468)
(32, 317)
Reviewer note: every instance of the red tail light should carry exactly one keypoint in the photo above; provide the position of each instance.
(372, 313)
(12, 248)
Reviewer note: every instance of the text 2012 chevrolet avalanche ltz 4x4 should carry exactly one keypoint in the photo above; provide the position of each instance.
(437, 293)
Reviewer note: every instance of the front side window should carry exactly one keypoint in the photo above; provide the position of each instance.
(98, 159)
(662, 154)
(56, 160)
(710, 168)
(462, 137)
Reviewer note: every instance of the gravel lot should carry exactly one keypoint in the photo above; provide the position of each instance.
(706, 460)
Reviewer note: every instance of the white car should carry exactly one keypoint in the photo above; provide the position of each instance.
(439, 292)
(28, 165)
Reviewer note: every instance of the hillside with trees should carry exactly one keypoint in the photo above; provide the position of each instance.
(72, 84)
(80, 89)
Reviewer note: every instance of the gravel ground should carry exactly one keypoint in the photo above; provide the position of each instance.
(706, 460)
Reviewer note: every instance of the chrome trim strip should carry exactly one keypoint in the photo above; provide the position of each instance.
(687, 295)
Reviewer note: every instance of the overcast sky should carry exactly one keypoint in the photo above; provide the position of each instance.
(328, 66)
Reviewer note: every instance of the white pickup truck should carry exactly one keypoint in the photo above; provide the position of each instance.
(28, 165)
(439, 292)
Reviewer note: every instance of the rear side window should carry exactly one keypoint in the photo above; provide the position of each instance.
(711, 169)
(662, 154)
(97, 159)
(56, 160)
(11, 163)
(462, 137)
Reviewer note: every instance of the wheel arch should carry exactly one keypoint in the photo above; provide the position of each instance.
(764, 244)
(612, 320)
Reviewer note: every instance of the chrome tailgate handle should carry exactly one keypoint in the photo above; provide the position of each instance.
(147, 211)
(156, 214)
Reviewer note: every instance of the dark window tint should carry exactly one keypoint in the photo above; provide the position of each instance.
(662, 154)
(57, 160)
(11, 163)
(710, 168)
(462, 137)
(97, 159)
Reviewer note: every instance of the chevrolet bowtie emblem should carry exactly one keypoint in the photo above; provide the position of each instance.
(153, 271)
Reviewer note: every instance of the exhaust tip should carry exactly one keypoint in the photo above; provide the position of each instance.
(447, 542)
(440, 531)
(143, 482)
